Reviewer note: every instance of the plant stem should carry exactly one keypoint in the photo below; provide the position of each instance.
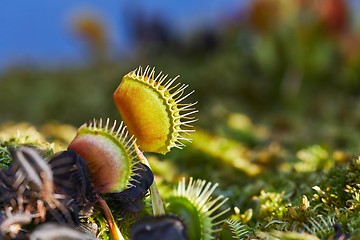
(158, 207)
(115, 231)
(157, 204)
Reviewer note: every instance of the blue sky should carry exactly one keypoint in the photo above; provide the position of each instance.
(39, 31)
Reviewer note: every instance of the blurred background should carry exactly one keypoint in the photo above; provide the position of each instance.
(291, 68)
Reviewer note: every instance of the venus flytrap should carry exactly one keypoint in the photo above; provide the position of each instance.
(153, 110)
(155, 116)
(157, 120)
(193, 202)
(108, 151)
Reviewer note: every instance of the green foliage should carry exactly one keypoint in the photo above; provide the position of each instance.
(353, 185)
(238, 230)
(286, 235)
(282, 201)
(5, 157)
(321, 226)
